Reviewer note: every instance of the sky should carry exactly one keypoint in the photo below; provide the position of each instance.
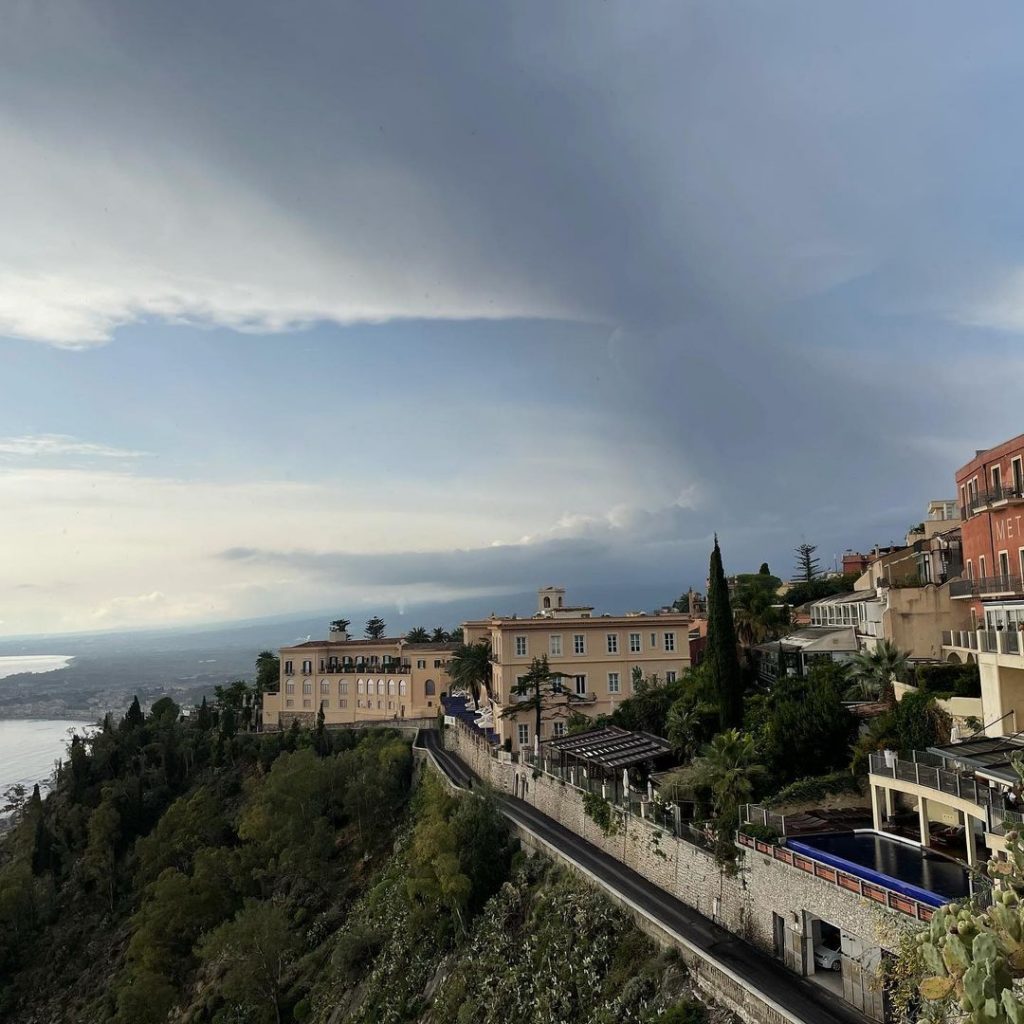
(354, 306)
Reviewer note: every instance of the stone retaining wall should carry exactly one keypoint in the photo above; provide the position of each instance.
(744, 902)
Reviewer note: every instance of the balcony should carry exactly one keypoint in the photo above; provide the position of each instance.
(391, 668)
(964, 639)
(931, 776)
(988, 587)
(994, 497)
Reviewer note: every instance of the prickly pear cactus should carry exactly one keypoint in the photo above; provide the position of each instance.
(973, 959)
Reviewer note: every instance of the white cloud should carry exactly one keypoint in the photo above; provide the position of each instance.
(44, 445)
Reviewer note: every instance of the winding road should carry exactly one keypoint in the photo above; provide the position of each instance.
(802, 999)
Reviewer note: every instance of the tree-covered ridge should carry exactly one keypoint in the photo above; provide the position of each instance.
(124, 893)
(182, 871)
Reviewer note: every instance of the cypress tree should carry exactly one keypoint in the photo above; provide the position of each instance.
(720, 653)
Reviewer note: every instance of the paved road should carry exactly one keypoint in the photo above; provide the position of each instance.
(802, 998)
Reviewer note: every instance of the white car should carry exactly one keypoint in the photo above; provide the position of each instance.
(829, 959)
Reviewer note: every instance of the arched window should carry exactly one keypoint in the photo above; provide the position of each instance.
(428, 687)
(380, 687)
(359, 686)
(391, 687)
(547, 602)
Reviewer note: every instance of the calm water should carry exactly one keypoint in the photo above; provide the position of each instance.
(28, 749)
(12, 666)
(921, 868)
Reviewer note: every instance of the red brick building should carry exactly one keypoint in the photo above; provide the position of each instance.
(991, 494)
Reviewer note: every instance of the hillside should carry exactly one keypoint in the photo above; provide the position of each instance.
(182, 872)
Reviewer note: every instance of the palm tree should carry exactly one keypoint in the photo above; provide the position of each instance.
(728, 768)
(440, 635)
(872, 673)
(685, 724)
(418, 636)
(470, 668)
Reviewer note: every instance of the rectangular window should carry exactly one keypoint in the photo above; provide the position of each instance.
(981, 566)
(1018, 476)
(997, 481)
(307, 667)
(306, 703)
(343, 689)
(520, 646)
(555, 645)
(654, 641)
(437, 663)
(343, 703)
(670, 641)
(970, 569)
(421, 662)
(670, 676)
(289, 687)
(1004, 563)
(581, 685)
(579, 643)
(289, 703)
(634, 643)
(288, 668)
(558, 729)
(524, 734)
(613, 682)
(613, 643)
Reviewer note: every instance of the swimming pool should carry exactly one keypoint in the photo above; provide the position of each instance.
(906, 868)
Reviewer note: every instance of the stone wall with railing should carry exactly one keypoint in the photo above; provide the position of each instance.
(680, 860)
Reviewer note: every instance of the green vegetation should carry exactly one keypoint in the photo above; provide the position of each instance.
(540, 690)
(871, 673)
(470, 668)
(185, 869)
(375, 628)
(808, 566)
(599, 811)
(952, 680)
(816, 788)
(821, 586)
(720, 655)
(967, 965)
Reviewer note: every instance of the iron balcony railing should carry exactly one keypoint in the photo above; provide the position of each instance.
(391, 668)
(963, 588)
(925, 771)
(995, 494)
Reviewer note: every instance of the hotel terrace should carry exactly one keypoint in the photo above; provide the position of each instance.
(968, 791)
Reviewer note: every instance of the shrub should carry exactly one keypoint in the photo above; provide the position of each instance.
(816, 787)
(599, 811)
(689, 1011)
(757, 831)
(958, 680)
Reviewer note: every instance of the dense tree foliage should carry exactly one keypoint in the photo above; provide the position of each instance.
(375, 628)
(821, 586)
(720, 655)
(469, 668)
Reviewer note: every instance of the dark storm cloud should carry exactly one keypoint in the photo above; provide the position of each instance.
(794, 227)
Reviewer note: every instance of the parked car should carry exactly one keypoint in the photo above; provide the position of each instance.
(828, 959)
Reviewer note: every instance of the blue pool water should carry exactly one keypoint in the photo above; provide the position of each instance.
(921, 874)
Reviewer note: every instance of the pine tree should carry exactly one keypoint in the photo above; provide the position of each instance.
(720, 654)
(375, 628)
(134, 716)
(205, 718)
(764, 570)
(807, 566)
(320, 733)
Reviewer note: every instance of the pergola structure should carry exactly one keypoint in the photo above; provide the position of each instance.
(607, 753)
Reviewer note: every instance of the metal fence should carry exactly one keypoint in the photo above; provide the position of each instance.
(925, 771)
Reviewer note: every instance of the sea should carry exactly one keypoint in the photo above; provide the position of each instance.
(29, 747)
